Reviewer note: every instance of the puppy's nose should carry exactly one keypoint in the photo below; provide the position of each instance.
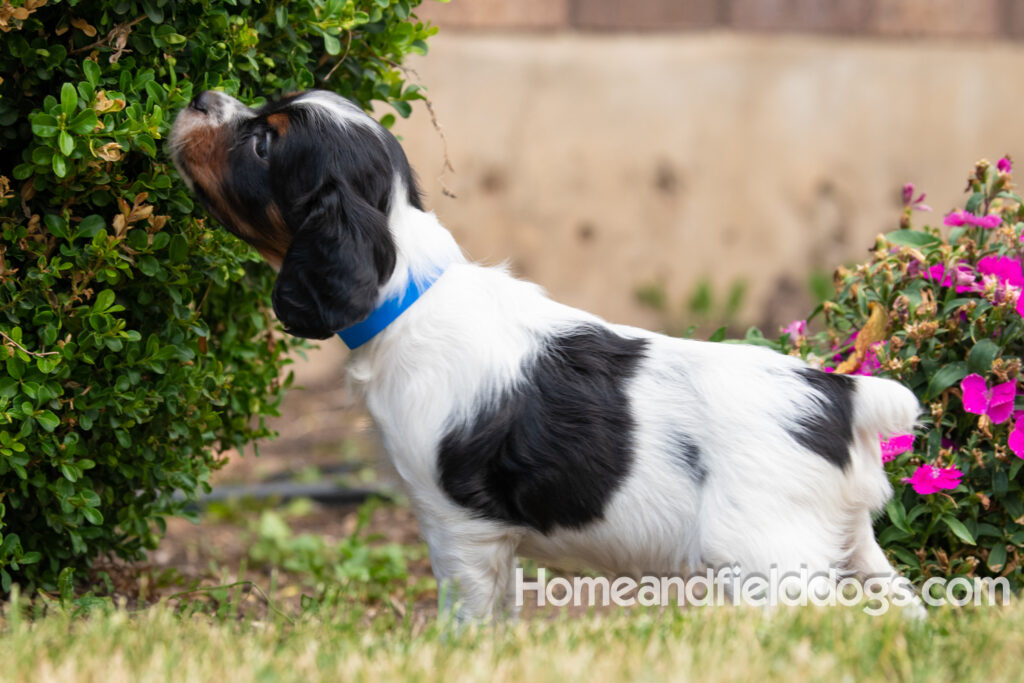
(202, 102)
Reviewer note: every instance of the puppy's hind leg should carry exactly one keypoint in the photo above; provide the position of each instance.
(880, 579)
(474, 568)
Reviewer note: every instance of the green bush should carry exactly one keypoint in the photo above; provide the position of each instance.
(137, 339)
(941, 311)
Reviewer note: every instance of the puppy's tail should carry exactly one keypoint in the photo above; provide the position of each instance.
(882, 408)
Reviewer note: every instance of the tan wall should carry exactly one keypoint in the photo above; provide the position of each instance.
(599, 162)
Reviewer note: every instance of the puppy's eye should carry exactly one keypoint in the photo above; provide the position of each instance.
(261, 145)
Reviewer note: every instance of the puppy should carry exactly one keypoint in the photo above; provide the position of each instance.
(523, 427)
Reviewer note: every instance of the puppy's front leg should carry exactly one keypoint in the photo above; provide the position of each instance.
(474, 564)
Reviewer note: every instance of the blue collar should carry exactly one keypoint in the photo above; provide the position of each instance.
(356, 335)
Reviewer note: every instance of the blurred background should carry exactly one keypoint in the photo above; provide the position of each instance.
(605, 147)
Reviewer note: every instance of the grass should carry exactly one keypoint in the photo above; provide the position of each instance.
(162, 644)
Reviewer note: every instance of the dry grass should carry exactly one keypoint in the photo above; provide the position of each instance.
(157, 644)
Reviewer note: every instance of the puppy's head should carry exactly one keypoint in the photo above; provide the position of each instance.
(309, 181)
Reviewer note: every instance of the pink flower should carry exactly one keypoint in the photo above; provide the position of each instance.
(1006, 269)
(896, 445)
(962, 277)
(869, 365)
(1005, 165)
(996, 403)
(797, 328)
(993, 220)
(1016, 441)
(954, 219)
(908, 199)
(930, 479)
(958, 218)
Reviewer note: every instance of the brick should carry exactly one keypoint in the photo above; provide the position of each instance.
(828, 16)
(948, 18)
(497, 14)
(645, 14)
(1015, 17)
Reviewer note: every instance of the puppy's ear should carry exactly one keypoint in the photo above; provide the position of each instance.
(338, 259)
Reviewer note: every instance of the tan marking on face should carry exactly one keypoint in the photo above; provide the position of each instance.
(203, 151)
(279, 122)
(274, 246)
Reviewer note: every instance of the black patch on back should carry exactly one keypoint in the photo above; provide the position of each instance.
(827, 426)
(686, 452)
(552, 450)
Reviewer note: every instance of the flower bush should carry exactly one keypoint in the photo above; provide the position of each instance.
(940, 309)
(137, 340)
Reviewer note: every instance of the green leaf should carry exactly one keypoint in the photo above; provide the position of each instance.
(980, 358)
(718, 335)
(56, 225)
(65, 143)
(15, 367)
(66, 581)
(146, 144)
(148, 265)
(31, 557)
(153, 11)
(913, 238)
(945, 378)
(104, 300)
(90, 226)
(47, 420)
(8, 388)
(60, 166)
(70, 473)
(84, 122)
(331, 44)
(898, 515)
(68, 99)
(997, 557)
(958, 529)
(402, 107)
(906, 557)
(92, 72)
(93, 515)
(45, 126)
(974, 203)
(179, 249)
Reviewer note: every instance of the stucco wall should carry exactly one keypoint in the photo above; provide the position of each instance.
(598, 162)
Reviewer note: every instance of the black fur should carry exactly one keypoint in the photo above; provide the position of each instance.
(334, 185)
(338, 259)
(551, 451)
(687, 454)
(828, 428)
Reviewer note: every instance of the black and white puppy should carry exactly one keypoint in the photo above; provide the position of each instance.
(523, 427)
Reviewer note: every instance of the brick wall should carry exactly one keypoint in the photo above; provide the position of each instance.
(886, 18)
